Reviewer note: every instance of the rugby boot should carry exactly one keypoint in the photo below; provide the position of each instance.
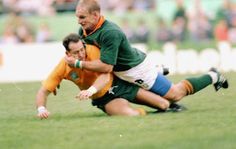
(222, 82)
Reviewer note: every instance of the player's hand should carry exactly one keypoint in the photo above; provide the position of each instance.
(84, 95)
(70, 60)
(43, 113)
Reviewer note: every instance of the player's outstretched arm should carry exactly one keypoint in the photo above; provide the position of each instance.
(102, 80)
(41, 100)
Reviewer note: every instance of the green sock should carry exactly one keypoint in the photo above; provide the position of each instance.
(199, 83)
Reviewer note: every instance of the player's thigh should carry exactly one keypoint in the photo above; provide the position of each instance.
(120, 106)
(151, 99)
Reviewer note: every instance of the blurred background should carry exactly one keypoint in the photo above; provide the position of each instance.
(188, 36)
(153, 22)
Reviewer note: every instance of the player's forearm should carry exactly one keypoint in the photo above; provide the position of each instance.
(98, 85)
(97, 65)
(41, 97)
(102, 81)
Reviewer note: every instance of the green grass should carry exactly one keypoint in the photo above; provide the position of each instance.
(209, 122)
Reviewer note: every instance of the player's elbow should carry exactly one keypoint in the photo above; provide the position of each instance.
(42, 94)
(108, 68)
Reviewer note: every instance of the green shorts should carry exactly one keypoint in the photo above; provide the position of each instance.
(119, 89)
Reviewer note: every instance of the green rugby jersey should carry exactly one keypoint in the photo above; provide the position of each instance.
(114, 46)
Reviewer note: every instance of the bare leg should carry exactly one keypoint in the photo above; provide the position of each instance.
(176, 92)
(120, 106)
(152, 100)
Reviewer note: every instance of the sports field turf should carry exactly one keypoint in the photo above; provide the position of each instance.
(209, 122)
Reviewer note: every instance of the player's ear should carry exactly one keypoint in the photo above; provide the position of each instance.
(67, 53)
(96, 14)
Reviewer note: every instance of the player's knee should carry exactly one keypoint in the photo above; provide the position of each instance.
(164, 105)
(128, 111)
(132, 113)
(120, 107)
(125, 112)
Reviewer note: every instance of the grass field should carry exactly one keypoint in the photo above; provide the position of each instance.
(209, 122)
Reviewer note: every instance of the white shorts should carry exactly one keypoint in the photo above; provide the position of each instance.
(144, 74)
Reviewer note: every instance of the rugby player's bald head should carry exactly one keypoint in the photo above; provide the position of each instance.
(90, 5)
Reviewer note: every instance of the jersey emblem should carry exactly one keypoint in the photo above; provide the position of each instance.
(74, 76)
(110, 91)
(141, 83)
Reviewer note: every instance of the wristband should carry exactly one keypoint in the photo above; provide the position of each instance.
(92, 90)
(41, 109)
(78, 64)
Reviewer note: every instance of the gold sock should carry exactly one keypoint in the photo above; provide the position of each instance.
(141, 111)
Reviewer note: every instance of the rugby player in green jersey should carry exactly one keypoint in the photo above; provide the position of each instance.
(128, 63)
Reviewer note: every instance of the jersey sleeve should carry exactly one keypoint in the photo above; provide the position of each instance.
(55, 77)
(110, 46)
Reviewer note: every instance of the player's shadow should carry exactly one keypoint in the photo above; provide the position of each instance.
(180, 108)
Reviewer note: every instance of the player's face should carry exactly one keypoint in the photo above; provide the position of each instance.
(87, 20)
(77, 50)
